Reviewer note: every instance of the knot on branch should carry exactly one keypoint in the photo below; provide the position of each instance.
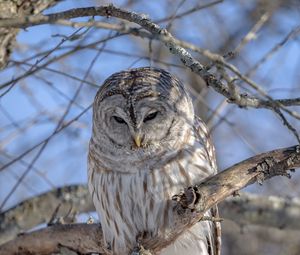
(187, 199)
(265, 169)
(241, 100)
(209, 79)
(140, 250)
(196, 67)
(164, 32)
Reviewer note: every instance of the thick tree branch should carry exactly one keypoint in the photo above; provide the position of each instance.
(195, 201)
(190, 205)
(255, 169)
(81, 238)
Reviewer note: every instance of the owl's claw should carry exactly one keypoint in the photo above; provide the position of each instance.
(140, 250)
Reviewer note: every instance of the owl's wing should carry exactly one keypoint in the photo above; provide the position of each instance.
(203, 135)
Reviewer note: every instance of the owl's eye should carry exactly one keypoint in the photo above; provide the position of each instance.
(119, 120)
(151, 116)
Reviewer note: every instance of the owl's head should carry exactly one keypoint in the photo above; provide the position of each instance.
(141, 111)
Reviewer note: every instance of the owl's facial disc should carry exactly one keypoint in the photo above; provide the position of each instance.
(141, 130)
(153, 122)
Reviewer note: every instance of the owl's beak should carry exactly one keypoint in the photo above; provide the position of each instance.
(137, 140)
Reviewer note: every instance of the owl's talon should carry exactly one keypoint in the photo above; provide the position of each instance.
(140, 250)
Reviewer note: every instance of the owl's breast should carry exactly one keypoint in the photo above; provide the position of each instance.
(131, 204)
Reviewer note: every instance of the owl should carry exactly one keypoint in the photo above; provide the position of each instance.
(146, 146)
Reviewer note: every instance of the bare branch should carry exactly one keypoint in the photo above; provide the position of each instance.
(190, 205)
(38, 210)
(175, 46)
(196, 200)
(82, 238)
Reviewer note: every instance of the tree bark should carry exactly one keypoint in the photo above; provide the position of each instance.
(15, 9)
(81, 238)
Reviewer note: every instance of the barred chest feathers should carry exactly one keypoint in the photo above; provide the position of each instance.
(134, 203)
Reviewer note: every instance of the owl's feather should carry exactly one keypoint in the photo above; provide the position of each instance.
(132, 188)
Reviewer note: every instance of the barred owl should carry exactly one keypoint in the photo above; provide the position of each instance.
(147, 146)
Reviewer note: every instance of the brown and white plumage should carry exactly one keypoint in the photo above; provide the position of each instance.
(147, 146)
